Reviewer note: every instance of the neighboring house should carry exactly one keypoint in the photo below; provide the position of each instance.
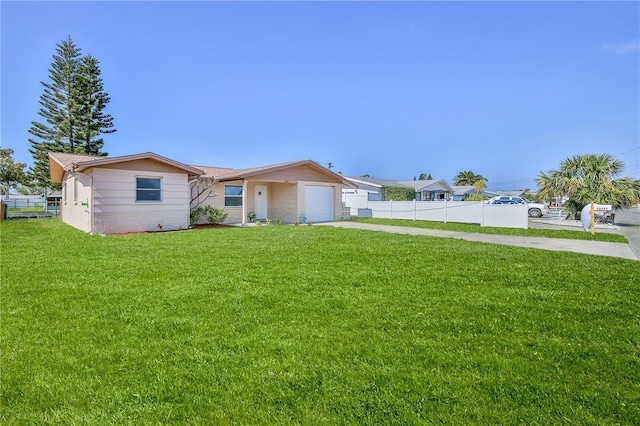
(426, 190)
(462, 192)
(148, 192)
(372, 187)
(430, 190)
(297, 191)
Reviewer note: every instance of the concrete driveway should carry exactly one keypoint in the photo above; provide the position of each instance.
(627, 223)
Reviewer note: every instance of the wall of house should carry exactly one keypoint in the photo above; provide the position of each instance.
(283, 203)
(75, 209)
(115, 209)
(216, 200)
(293, 175)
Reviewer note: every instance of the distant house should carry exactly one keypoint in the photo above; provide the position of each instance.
(426, 190)
(430, 190)
(462, 192)
(372, 187)
(148, 192)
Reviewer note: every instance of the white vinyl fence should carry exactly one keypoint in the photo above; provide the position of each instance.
(498, 215)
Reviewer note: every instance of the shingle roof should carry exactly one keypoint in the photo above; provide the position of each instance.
(65, 159)
(224, 173)
(61, 162)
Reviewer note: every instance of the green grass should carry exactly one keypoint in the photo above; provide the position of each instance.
(470, 227)
(311, 325)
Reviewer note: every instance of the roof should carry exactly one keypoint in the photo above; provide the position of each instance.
(426, 185)
(227, 174)
(62, 162)
(418, 185)
(380, 183)
(463, 189)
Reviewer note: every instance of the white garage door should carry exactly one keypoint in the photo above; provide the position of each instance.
(318, 203)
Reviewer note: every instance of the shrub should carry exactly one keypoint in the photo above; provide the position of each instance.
(195, 214)
(399, 193)
(476, 197)
(214, 215)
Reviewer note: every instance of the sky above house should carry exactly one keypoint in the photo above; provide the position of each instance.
(389, 89)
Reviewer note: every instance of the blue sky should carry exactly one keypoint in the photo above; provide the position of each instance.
(390, 89)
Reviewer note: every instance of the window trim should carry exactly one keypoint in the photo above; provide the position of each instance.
(233, 197)
(159, 190)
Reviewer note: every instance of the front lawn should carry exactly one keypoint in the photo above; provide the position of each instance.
(310, 325)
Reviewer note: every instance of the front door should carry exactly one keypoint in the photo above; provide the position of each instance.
(261, 201)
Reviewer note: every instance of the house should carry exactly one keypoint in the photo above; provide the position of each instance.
(148, 192)
(430, 190)
(462, 192)
(297, 191)
(426, 190)
(373, 188)
(131, 193)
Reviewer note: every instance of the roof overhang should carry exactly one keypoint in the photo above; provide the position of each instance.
(61, 163)
(235, 174)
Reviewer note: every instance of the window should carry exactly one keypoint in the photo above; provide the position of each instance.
(233, 195)
(148, 189)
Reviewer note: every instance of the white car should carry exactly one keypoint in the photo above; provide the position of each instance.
(534, 209)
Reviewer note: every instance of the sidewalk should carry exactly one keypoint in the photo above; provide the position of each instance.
(555, 244)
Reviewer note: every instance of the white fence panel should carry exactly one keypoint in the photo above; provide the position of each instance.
(381, 209)
(431, 210)
(506, 215)
(403, 209)
(498, 215)
(355, 202)
(464, 211)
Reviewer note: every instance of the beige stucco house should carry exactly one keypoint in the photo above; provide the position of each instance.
(297, 191)
(148, 192)
(131, 193)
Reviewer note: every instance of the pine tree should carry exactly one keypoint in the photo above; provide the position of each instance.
(72, 105)
(93, 121)
(58, 107)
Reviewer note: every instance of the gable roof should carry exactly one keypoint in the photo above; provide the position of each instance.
(226, 174)
(375, 182)
(418, 185)
(426, 185)
(62, 162)
(463, 189)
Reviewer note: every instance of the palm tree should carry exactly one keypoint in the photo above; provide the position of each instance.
(480, 185)
(467, 178)
(590, 178)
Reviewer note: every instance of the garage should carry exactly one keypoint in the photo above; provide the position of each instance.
(318, 203)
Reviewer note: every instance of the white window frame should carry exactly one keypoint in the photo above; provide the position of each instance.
(159, 190)
(234, 196)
